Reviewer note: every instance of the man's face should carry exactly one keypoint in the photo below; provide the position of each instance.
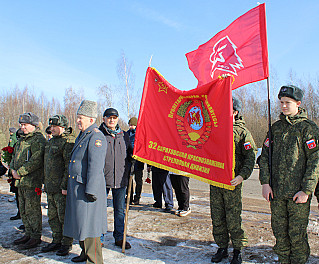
(27, 128)
(234, 115)
(83, 122)
(111, 121)
(57, 130)
(132, 127)
(289, 106)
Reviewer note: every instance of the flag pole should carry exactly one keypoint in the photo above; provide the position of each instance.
(269, 137)
(128, 198)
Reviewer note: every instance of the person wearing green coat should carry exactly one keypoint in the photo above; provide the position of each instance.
(226, 205)
(27, 168)
(295, 168)
(56, 162)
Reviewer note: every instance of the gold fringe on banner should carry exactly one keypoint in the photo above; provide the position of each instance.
(183, 173)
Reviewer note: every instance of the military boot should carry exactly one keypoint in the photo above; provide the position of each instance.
(32, 243)
(51, 247)
(21, 240)
(220, 255)
(236, 257)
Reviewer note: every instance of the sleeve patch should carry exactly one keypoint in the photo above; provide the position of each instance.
(311, 144)
(266, 143)
(98, 143)
(247, 145)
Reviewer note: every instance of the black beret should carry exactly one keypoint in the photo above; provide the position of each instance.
(111, 112)
(291, 91)
(236, 104)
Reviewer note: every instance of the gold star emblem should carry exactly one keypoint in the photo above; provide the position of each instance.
(162, 87)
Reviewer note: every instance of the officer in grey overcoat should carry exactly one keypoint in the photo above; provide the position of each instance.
(85, 214)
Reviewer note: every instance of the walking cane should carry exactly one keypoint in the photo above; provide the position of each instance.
(130, 182)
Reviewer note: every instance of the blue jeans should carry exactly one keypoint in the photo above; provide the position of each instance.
(118, 196)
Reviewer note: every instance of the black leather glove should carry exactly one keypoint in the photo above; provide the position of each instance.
(90, 197)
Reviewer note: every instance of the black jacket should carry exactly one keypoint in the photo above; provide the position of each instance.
(117, 160)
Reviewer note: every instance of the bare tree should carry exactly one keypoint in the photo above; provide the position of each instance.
(127, 85)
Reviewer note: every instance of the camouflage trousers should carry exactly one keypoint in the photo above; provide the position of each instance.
(289, 223)
(56, 212)
(30, 211)
(226, 207)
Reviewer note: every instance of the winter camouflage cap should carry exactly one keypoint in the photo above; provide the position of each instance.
(59, 120)
(291, 91)
(236, 104)
(29, 118)
(88, 108)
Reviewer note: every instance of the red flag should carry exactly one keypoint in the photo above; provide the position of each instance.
(187, 132)
(239, 50)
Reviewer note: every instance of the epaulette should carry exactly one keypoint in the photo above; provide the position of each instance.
(97, 130)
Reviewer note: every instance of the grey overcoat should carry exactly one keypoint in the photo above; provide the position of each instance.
(85, 219)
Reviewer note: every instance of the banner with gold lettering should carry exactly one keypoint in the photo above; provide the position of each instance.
(187, 132)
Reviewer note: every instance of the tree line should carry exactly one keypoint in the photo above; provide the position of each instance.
(253, 97)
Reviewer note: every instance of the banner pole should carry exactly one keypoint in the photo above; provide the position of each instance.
(128, 198)
(269, 137)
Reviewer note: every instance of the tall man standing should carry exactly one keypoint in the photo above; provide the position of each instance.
(116, 169)
(85, 213)
(56, 162)
(295, 168)
(27, 168)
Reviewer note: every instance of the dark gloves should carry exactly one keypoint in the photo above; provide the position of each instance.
(90, 197)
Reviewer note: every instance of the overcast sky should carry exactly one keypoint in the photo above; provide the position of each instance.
(53, 45)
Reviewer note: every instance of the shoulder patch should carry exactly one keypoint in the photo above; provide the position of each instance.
(98, 143)
(266, 143)
(311, 144)
(247, 145)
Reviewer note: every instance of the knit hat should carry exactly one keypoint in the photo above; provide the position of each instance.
(236, 104)
(111, 112)
(29, 118)
(133, 121)
(291, 91)
(88, 108)
(59, 120)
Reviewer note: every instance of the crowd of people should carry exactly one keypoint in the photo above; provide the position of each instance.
(78, 173)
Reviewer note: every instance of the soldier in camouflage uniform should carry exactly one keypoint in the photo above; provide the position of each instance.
(56, 161)
(27, 168)
(226, 205)
(295, 168)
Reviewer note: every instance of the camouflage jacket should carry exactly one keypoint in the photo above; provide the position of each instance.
(295, 156)
(56, 161)
(27, 159)
(245, 149)
(13, 139)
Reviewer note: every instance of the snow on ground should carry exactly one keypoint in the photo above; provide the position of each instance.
(157, 236)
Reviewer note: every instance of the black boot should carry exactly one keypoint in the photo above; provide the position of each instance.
(237, 257)
(64, 250)
(221, 253)
(16, 217)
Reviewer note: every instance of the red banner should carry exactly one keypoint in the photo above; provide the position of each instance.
(239, 50)
(187, 132)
